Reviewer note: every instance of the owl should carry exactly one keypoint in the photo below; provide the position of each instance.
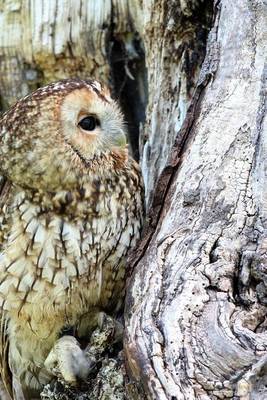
(71, 207)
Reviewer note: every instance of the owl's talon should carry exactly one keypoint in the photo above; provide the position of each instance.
(67, 359)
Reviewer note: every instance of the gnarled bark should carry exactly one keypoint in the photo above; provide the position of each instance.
(196, 306)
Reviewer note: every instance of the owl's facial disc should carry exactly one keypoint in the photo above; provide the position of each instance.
(49, 136)
(91, 124)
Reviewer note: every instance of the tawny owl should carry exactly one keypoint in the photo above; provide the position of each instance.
(71, 209)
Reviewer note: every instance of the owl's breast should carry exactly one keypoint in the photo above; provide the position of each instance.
(56, 265)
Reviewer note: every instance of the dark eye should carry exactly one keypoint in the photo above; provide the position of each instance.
(89, 123)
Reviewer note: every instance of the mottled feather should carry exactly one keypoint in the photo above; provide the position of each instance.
(71, 206)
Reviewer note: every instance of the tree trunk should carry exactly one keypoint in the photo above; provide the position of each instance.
(195, 310)
(196, 305)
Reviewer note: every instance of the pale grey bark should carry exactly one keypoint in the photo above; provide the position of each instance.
(174, 36)
(196, 325)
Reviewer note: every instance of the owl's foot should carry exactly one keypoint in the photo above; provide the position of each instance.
(103, 361)
(67, 360)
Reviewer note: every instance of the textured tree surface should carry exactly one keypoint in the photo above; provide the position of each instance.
(196, 304)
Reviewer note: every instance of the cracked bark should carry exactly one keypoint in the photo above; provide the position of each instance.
(196, 304)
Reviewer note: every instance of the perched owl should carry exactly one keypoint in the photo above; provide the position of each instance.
(70, 208)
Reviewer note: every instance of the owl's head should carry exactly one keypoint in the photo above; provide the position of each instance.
(60, 134)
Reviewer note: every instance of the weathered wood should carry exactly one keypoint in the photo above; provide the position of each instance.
(44, 41)
(195, 326)
(174, 36)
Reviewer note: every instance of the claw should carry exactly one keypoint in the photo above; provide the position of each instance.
(67, 359)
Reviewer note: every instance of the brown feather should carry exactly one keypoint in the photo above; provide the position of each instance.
(77, 208)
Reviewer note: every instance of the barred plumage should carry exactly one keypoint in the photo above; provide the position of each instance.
(73, 208)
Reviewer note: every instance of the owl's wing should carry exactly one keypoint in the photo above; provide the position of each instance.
(6, 378)
(5, 192)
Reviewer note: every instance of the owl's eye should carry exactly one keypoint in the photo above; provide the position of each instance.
(89, 123)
